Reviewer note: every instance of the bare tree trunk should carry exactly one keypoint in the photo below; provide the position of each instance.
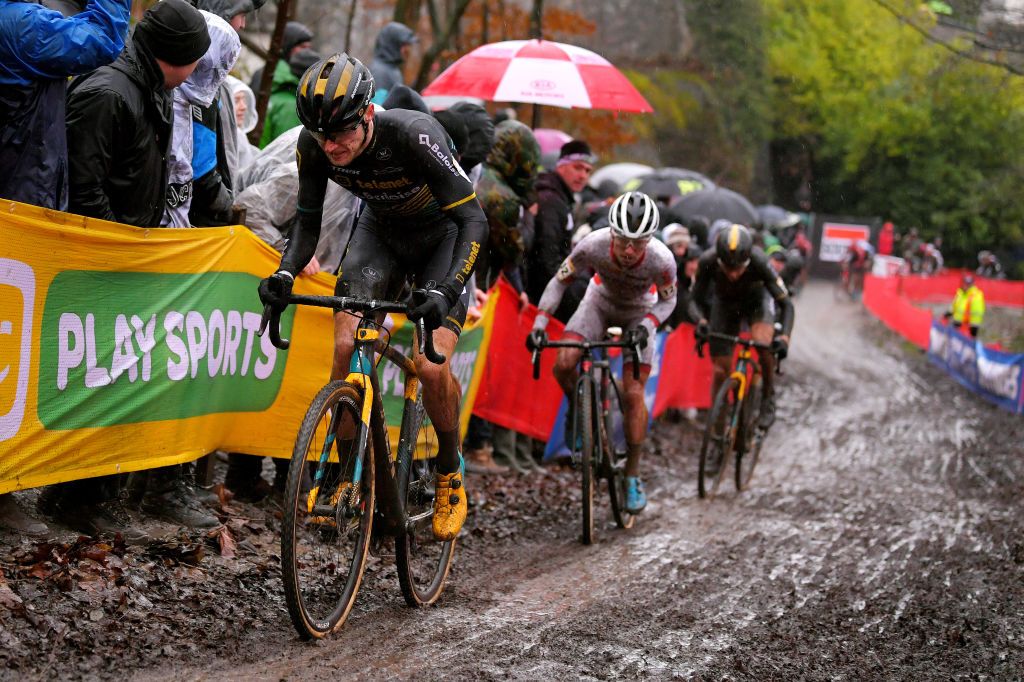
(273, 56)
(408, 12)
(348, 24)
(441, 43)
(485, 31)
(537, 31)
(504, 24)
(537, 20)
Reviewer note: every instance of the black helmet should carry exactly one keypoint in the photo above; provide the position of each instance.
(733, 246)
(333, 94)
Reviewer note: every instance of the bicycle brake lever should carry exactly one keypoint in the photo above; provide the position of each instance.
(427, 344)
(636, 361)
(536, 364)
(272, 319)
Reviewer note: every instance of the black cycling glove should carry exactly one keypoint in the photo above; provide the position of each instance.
(536, 339)
(641, 336)
(276, 289)
(430, 306)
(703, 329)
(781, 348)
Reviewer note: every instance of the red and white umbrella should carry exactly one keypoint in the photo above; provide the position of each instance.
(541, 72)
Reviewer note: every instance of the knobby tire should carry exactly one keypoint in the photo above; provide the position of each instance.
(423, 562)
(585, 417)
(707, 482)
(303, 533)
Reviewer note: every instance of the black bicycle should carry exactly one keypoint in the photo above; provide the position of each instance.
(344, 483)
(736, 407)
(597, 400)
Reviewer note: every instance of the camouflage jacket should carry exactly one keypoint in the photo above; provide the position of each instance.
(506, 187)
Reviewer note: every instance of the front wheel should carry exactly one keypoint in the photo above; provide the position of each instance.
(587, 431)
(423, 561)
(717, 446)
(328, 513)
(749, 448)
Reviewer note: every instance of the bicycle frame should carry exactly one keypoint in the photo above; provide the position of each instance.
(392, 485)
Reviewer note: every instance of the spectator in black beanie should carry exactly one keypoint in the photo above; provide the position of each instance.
(556, 196)
(118, 129)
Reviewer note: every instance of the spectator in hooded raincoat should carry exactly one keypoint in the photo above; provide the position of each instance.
(281, 114)
(39, 50)
(199, 90)
(219, 117)
(394, 43)
(246, 119)
(297, 36)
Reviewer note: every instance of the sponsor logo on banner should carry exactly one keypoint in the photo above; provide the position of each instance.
(17, 305)
(129, 347)
(836, 239)
(990, 373)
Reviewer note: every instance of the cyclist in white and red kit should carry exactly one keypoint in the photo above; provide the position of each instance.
(635, 289)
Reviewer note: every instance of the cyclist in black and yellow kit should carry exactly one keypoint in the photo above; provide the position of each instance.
(421, 222)
(736, 286)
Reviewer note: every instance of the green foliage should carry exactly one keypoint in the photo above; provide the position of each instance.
(899, 127)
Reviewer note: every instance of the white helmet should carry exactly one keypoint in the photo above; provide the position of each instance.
(634, 215)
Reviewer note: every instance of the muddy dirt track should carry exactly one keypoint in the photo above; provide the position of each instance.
(882, 539)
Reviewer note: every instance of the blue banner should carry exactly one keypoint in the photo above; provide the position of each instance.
(556, 446)
(992, 374)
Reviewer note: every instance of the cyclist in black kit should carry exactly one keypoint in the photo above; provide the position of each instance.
(736, 284)
(421, 222)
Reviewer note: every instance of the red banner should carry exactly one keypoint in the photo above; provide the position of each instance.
(508, 395)
(882, 298)
(685, 378)
(942, 288)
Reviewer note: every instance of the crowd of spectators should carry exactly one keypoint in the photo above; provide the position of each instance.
(149, 128)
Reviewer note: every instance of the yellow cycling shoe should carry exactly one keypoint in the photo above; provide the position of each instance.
(449, 505)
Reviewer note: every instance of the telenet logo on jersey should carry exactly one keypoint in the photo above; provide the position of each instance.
(128, 347)
(17, 304)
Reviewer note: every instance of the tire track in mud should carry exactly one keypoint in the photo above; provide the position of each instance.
(881, 538)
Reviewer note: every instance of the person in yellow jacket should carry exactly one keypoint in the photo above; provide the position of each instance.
(968, 309)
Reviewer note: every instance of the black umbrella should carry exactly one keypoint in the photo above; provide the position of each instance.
(716, 203)
(668, 184)
(776, 217)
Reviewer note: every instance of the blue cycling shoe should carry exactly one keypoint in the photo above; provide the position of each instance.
(636, 499)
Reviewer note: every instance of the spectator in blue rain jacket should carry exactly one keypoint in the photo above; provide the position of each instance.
(39, 50)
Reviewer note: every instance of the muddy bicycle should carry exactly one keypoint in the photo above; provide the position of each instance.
(737, 406)
(597, 407)
(344, 484)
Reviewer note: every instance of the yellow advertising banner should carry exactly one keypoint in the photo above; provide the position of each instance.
(124, 348)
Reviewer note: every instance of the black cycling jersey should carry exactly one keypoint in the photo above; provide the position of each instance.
(748, 291)
(410, 182)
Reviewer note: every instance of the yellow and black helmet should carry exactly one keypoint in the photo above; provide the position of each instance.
(733, 246)
(333, 94)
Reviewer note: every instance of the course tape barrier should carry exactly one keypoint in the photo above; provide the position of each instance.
(125, 348)
(992, 374)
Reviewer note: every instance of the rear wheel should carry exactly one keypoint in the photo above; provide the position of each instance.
(717, 446)
(587, 423)
(749, 447)
(328, 514)
(423, 561)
